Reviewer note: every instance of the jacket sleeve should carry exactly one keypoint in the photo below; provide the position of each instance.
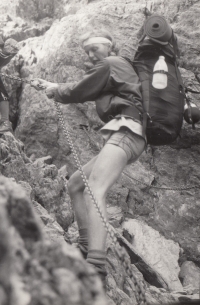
(88, 89)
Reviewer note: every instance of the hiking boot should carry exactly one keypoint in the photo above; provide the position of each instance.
(5, 126)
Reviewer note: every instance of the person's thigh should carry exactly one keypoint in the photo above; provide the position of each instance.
(107, 168)
(130, 142)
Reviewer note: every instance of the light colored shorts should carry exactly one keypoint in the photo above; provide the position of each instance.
(130, 142)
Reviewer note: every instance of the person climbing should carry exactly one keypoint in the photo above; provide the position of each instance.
(7, 50)
(113, 84)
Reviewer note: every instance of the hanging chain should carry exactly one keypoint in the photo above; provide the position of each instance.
(120, 251)
(138, 287)
(21, 80)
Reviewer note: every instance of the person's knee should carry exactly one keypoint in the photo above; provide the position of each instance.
(97, 190)
(75, 184)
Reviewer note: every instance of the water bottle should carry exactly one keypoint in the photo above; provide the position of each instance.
(192, 115)
(160, 74)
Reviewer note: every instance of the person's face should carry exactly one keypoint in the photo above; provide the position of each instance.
(97, 51)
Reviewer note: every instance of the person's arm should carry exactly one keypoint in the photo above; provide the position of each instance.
(88, 89)
(8, 50)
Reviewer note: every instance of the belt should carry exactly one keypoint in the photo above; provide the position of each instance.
(131, 112)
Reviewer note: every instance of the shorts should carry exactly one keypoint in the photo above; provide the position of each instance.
(132, 143)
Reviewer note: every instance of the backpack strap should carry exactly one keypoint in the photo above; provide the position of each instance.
(174, 43)
(145, 96)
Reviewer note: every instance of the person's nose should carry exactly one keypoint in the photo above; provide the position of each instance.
(91, 55)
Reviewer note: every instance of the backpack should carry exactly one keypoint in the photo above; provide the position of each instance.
(163, 108)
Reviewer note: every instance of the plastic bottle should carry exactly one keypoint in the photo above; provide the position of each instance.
(160, 74)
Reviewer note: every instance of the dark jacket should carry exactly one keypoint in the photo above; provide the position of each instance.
(4, 60)
(112, 84)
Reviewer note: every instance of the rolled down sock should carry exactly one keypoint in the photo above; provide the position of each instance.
(83, 240)
(96, 257)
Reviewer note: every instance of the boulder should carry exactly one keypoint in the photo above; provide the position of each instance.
(159, 253)
(190, 277)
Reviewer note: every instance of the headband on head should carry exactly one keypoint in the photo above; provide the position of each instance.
(96, 40)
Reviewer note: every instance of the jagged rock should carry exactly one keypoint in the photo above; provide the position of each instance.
(27, 188)
(158, 296)
(13, 159)
(52, 229)
(34, 270)
(38, 10)
(42, 161)
(190, 276)
(63, 171)
(50, 191)
(115, 216)
(48, 187)
(159, 253)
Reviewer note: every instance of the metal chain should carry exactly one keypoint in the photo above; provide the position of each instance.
(120, 252)
(137, 287)
(21, 80)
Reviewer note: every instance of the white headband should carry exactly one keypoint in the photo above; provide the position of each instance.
(96, 40)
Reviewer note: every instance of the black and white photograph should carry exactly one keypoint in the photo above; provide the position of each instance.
(99, 152)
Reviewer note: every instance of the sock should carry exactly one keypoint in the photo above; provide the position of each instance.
(97, 258)
(4, 110)
(83, 240)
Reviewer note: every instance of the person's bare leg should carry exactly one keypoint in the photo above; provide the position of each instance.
(76, 188)
(106, 170)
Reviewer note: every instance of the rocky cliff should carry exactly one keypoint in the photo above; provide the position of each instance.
(159, 228)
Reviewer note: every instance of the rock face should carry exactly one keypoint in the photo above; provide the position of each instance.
(33, 269)
(44, 182)
(41, 159)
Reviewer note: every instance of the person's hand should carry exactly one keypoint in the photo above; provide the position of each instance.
(51, 90)
(41, 84)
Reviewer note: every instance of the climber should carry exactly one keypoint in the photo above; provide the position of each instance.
(7, 50)
(115, 87)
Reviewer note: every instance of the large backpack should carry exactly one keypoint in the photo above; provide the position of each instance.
(163, 108)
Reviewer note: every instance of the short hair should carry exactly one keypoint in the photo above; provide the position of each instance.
(100, 33)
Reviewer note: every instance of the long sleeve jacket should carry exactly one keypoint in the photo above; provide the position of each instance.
(4, 60)
(112, 84)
